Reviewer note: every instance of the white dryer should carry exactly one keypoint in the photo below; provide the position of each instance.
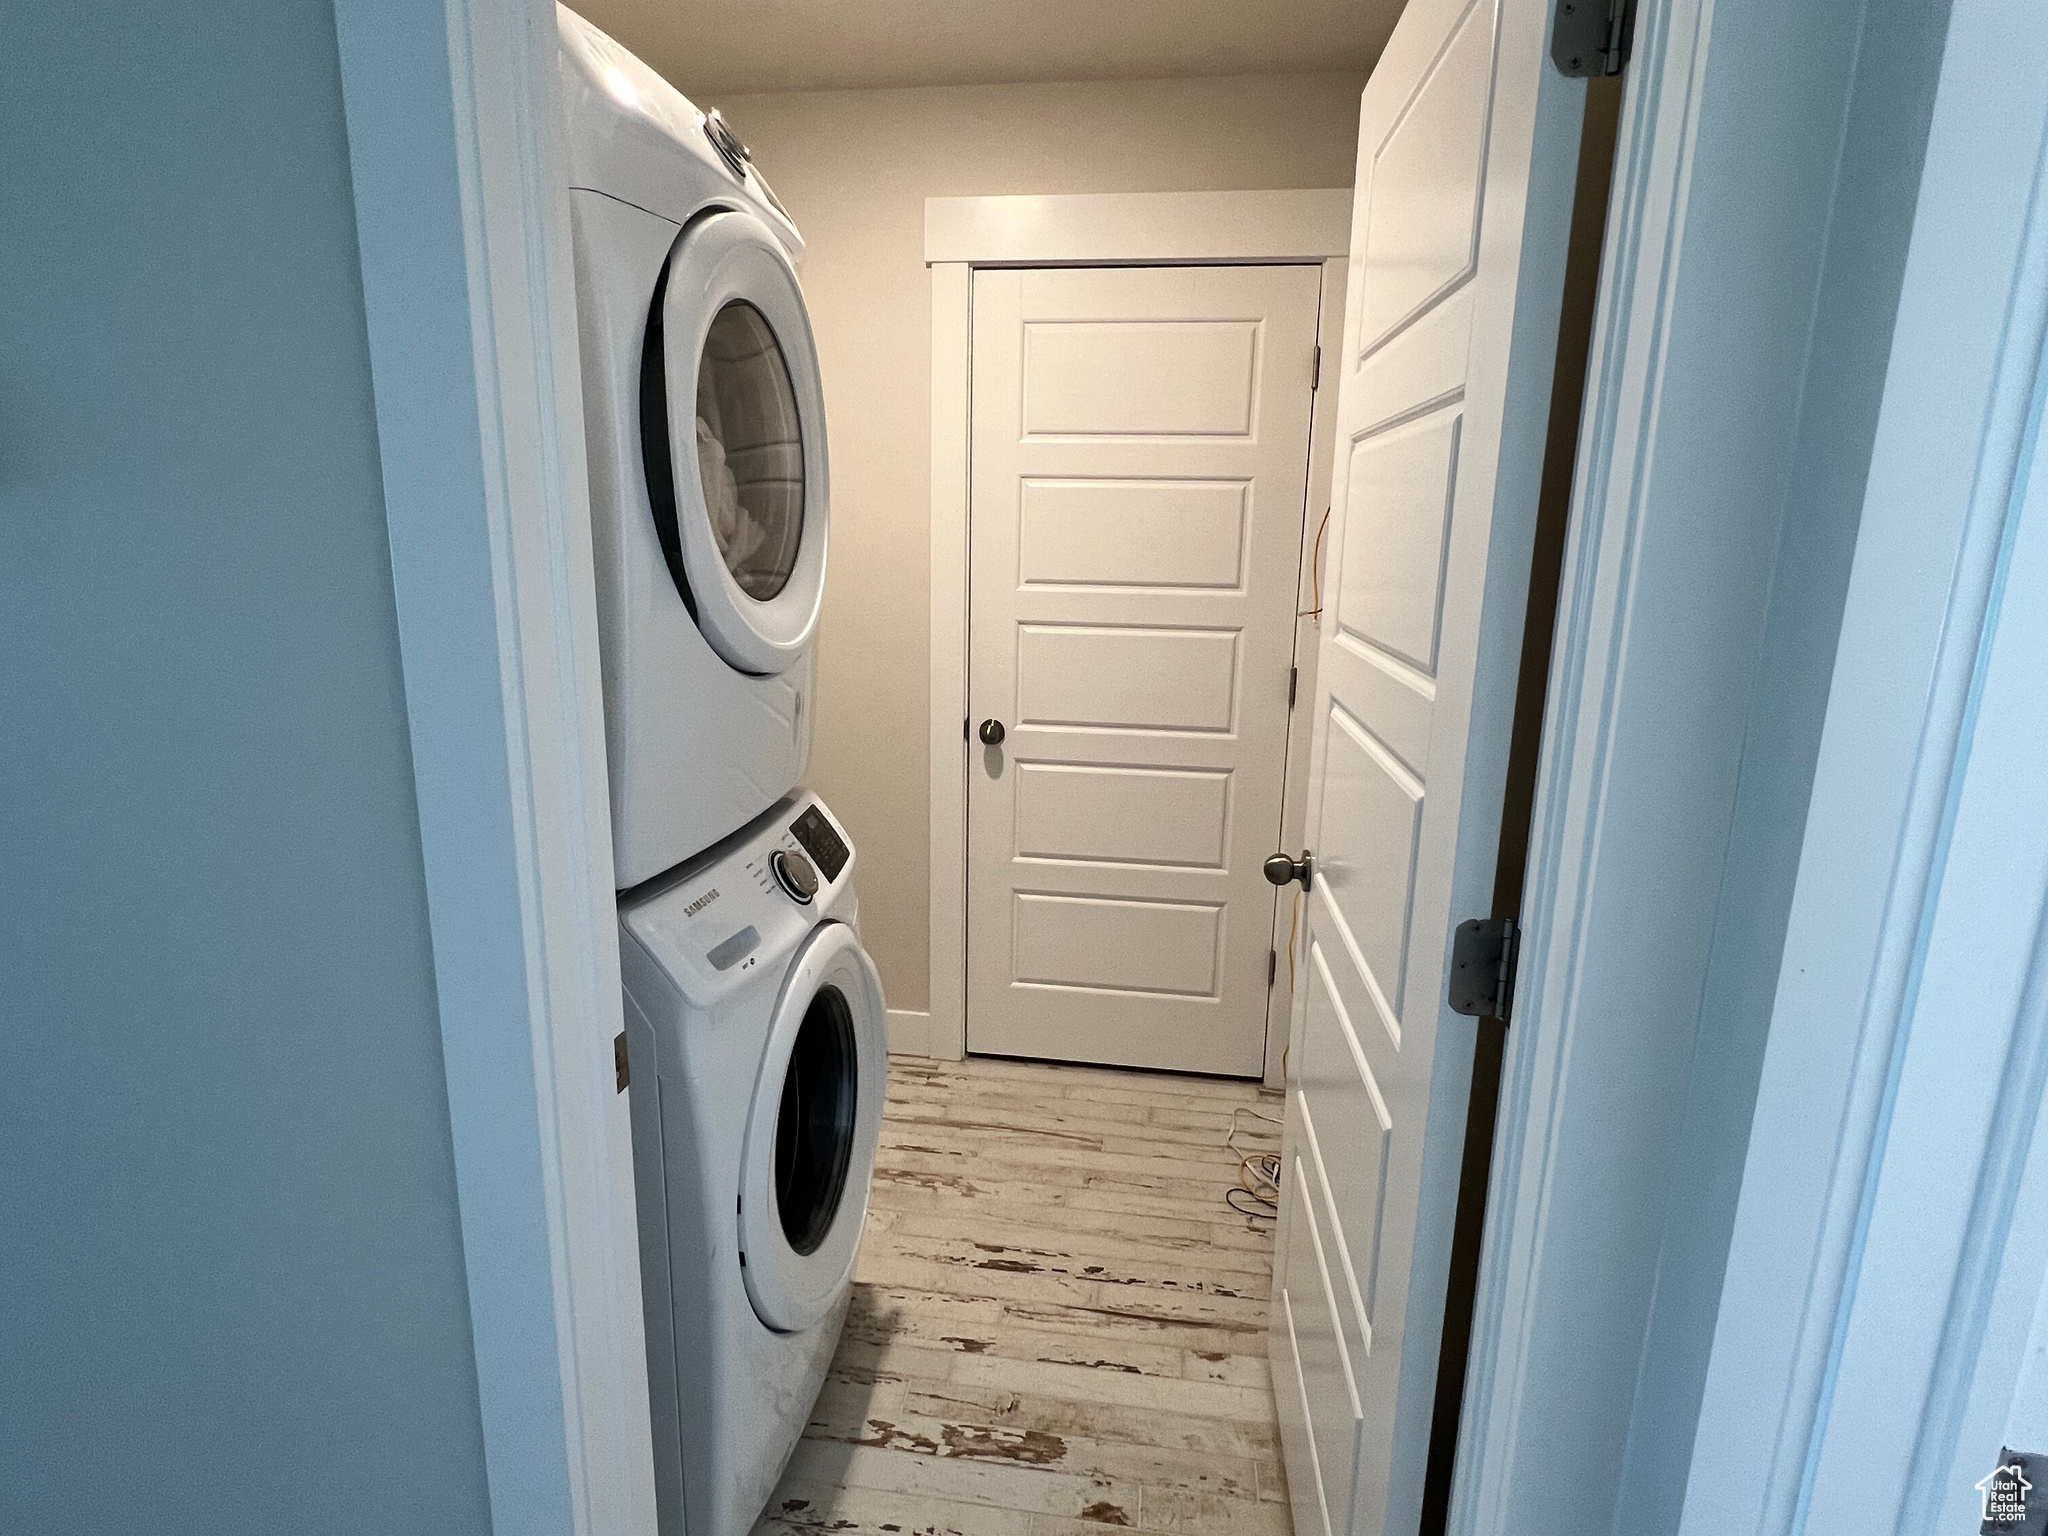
(705, 423)
(757, 1063)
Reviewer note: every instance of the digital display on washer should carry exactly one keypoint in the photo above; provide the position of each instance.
(820, 842)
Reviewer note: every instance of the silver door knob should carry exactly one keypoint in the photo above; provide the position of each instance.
(991, 733)
(1282, 870)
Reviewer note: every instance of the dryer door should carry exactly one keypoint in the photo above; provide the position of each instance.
(811, 1132)
(732, 422)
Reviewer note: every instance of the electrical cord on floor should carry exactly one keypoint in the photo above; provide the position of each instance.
(1257, 1191)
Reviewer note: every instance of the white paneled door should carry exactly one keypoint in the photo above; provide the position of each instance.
(1138, 467)
(1467, 148)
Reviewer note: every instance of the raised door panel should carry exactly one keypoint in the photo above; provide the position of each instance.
(1421, 367)
(1106, 813)
(1397, 523)
(1397, 699)
(1349, 1133)
(1292, 1408)
(1154, 948)
(1326, 1381)
(1140, 378)
(1149, 534)
(1126, 677)
(1419, 218)
(1366, 864)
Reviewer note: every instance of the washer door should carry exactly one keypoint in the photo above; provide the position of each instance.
(732, 422)
(811, 1132)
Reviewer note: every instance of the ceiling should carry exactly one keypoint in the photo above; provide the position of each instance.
(715, 48)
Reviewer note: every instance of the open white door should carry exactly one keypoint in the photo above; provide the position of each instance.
(1468, 141)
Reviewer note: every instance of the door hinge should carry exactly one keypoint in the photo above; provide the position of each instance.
(1315, 371)
(966, 729)
(1483, 956)
(1293, 683)
(1272, 967)
(1591, 38)
(620, 1067)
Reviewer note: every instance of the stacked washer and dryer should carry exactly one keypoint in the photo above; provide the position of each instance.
(754, 1020)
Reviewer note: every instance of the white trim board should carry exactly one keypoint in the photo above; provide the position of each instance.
(1322, 447)
(1892, 1232)
(461, 220)
(952, 422)
(1623, 1080)
(1139, 228)
(1108, 229)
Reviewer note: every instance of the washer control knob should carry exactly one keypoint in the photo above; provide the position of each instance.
(794, 873)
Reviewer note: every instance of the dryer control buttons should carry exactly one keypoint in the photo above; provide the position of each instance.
(824, 845)
(793, 872)
(727, 143)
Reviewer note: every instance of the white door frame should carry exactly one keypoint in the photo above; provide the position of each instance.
(1727, 175)
(1892, 1230)
(1083, 230)
(466, 276)
(462, 224)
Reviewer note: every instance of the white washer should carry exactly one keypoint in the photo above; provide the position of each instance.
(757, 1062)
(705, 422)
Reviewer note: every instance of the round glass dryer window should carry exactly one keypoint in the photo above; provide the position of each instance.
(814, 1126)
(750, 452)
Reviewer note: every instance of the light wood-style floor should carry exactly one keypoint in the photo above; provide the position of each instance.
(1057, 1323)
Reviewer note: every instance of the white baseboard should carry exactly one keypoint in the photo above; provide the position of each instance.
(910, 1032)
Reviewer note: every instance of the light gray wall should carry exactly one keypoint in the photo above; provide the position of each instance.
(231, 1281)
(855, 168)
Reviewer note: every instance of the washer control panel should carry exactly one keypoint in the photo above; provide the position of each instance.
(747, 901)
(795, 874)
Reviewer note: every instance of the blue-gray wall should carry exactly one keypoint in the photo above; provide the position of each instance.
(231, 1280)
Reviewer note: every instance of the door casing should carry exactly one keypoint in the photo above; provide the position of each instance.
(1116, 229)
(450, 113)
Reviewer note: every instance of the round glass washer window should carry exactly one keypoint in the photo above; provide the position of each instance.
(750, 453)
(814, 1124)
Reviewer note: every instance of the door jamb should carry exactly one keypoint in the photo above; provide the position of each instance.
(1681, 482)
(1265, 228)
(462, 230)
(1909, 1032)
